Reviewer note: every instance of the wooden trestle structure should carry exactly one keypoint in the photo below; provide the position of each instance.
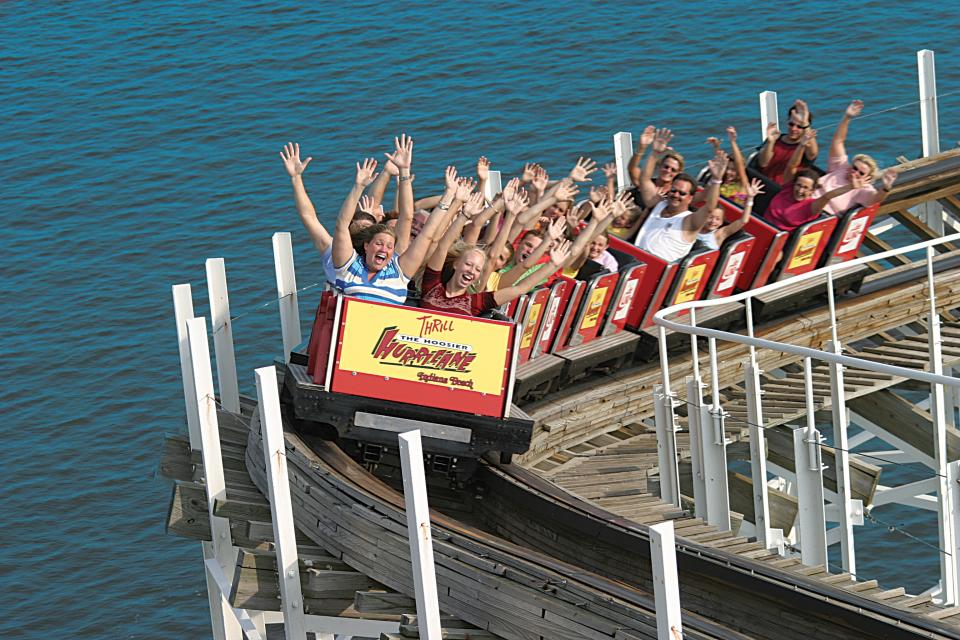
(555, 546)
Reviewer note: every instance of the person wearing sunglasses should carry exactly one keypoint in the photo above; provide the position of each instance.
(671, 229)
(841, 171)
(778, 148)
(663, 161)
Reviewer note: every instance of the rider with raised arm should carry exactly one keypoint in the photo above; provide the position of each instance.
(840, 171)
(671, 229)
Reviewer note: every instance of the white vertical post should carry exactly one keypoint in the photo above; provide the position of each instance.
(183, 311)
(929, 128)
(493, 186)
(622, 152)
(222, 334)
(695, 398)
(220, 549)
(953, 482)
(665, 420)
(768, 112)
(714, 447)
(945, 506)
(809, 471)
(666, 584)
(286, 292)
(418, 532)
(284, 534)
(758, 455)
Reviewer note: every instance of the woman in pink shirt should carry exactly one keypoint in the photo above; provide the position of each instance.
(840, 171)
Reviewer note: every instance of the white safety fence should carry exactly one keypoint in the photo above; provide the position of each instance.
(707, 429)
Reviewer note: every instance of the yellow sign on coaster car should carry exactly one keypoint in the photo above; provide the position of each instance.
(405, 354)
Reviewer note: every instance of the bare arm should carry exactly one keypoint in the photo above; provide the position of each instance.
(646, 139)
(766, 153)
(802, 113)
(342, 243)
(718, 164)
(402, 160)
(648, 188)
(308, 214)
(738, 158)
(610, 173)
(479, 222)
(838, 143)
(558, 256)
(483, 173)
(413, 257)
(754, 188)
(470, 208)
(889, 177)
(791, 171)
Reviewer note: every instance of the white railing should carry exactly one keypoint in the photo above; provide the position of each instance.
(708, 455)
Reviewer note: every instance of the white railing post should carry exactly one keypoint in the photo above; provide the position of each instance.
(494, 185)
(419, 534)
(278, 482)
(808, 468)
(666, 426)
(945, 505)
(953, 481)
(929, 127)
(695, 399)
(222, 334)
(768, 112)
(666, 584)
(183, 311)
(841, 452)
(714, 447)
(286, 292)
(220, 549)
(758, 457)
(622, 152)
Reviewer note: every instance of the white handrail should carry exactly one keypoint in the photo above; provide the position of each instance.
(660, 319)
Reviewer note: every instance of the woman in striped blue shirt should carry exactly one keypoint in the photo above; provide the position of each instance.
(382, 271)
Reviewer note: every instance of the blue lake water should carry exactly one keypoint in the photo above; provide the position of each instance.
(141, 138)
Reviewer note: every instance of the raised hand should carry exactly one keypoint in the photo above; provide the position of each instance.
(718, 164)
(529, 171)
(366, 204)
(714, 142)
(610, 170)
(773, 132)
(403, 156)
(566, 191)
(648, 135)
(732, 134)
(889, 177)
(511, 189)
(597, 194)
(560, 252)
(809, 136)
(540, 179)
(582, 170)
(854, 109)
(802, 111)
(557, 228)
(366, 173)
(661, 140)
(472, 205)
(483, 168)
(291, 159)
(517, 203)
(858, 181)
(465, 187)
(450, 179)
(754, 189)
(622, 202)
(602, 211)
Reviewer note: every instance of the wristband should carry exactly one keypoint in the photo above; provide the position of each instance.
(749, 201)
(442, 206)
(715, 181)
(403, 178)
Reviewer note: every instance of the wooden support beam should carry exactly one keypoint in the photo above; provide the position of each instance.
(905, 421)
(879, 246)
(920, 229)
